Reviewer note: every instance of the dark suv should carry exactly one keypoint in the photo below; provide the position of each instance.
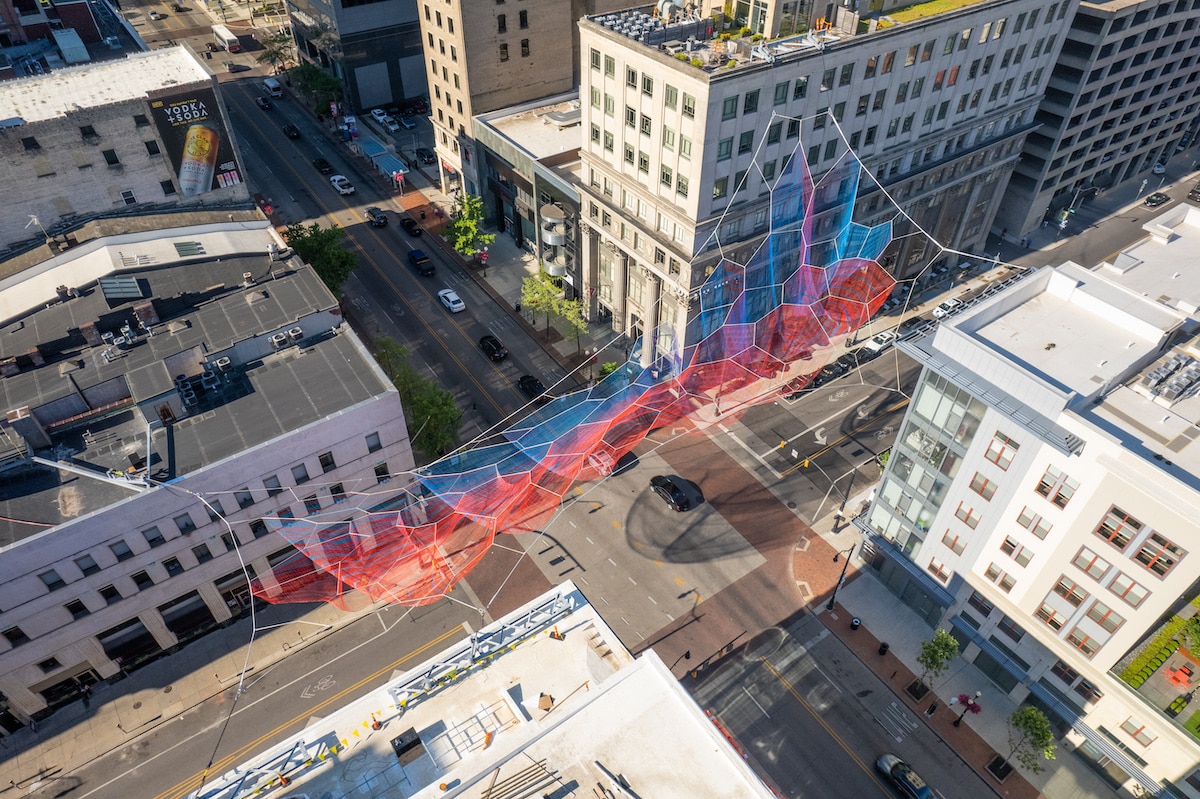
(376, 216)
(906, 781)
(492, 348)
(670, 492)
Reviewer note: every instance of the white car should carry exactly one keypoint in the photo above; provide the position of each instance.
(877, 344)
(450, 300)
(379, 115)
(407, 123)
(1159, 169)
(946, 308)
(342, 184)
(391, 125)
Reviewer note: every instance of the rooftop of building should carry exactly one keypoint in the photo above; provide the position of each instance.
(545, 128)
(1115, 343)
(544, 702)
(57, 93)
(240, 348)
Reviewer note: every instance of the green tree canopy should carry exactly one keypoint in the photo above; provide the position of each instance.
(465, 228)
(276, 49)
(935, 656)
(540, 295)
(432, 418)
(320, 248)
(1030, 737)
(317, 85)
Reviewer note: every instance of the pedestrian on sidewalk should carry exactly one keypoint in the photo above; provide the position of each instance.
(87, 695)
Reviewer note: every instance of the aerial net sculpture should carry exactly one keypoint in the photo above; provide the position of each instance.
(755, 330)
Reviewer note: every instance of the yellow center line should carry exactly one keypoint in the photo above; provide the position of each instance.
(835, 444)
(184, 787)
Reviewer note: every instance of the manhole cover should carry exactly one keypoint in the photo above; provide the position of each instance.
(137, 705)
(791, 506)
(167, 690)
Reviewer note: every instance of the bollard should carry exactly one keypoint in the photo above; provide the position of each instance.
(883, 648)
(855, 623)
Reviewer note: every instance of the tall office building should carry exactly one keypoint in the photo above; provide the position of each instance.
(685, 131)
(1122, 98)
(1041, 497)
(170, 399)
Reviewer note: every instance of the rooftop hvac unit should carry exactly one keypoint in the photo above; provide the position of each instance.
(279, 340)
(223, 364)
(296, 333)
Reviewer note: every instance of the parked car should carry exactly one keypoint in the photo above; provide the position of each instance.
(376, 216)
(378, 114)
(901, 775)
(492, 348)
(1156, 199)
(341, 184)
(391, 125)
(407, 123)
(156, 15)
(946, 308)
(420, 262)
(877, 344)
(533, 388)
(450, 301)
(291, 131)
(410, 226)
(262, 102)
(426, 156)
(179, 9)
(323, 166)
(1159, 168)
(670, 492)
(851, 360)
(1194, 194)
(911, 323)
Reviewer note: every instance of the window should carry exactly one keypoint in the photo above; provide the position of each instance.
(87, 564)
(1069, 590)
(1089, 692)
(729, 108)
(983, 486)
(1057, 487)
(140, 120)
(1064, 672)
(1010, 628)
(1083, 642)
(645, 125)
(967, 515)
(153, 537)
(121, 550)
(382, 475)
(879, 101)
(328, 464)
(610, 66)
(214, 509)
(173, 566)
(689, 105)
(523, 18)
(1033, 523)
(77, 609)
(1127, 589)
(203, 553)
(995, 574)
(774, 132)
(30, 143)
(720, 188)
(670, 96)
(631, 77)
(630, 154)
(49, 664)
(168, 188)
(820, 119)
(1050, 617)
(502, 26)
(847, 75)
(594, 56)
(1014, 550)
(110, 594)
(1159, 555)
(51, 580)
(312, 504)
(827, 79)
(524, 48)
(630, 117)
(142, 580)
(939, 570)
(750, 102)
(781, 93)
(185, 524)
(244, 498)
(667, 177)
(746, 142)
(128, 198)
(1118, 528)
(981, 604)
(300, 473)
(16, 636)
(337, 493)
(872, 63)
(1001, 450)
(504, 52)
(888, 60)
(647, 85)
(152, 148)
(725, 149)
(1104, 616)
(373, 443)
(110, 157)
(1137, 731)
(1090, 563)
(258, 528)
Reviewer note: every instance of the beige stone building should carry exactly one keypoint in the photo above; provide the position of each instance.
(110, 138)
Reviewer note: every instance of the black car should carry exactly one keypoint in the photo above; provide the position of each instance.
(426, 156)
(410, 226)
(291, 131)
(910, 324)
(323, 166)
(376, 216)
(533, 388)
(1194, 194)
(178, 8)
(492, 348)
(906, 781)
(263, 102)
(1156, 199)
(835, 369)
(850, 360)
(670, 492)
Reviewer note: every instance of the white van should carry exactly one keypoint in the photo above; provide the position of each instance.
(273, 88)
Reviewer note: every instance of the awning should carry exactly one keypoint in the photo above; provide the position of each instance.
(390, 165)
(369, 146)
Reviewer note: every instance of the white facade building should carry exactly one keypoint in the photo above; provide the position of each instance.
(162, 421)
(1042, 494)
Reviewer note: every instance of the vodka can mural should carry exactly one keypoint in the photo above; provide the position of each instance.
(196, 140)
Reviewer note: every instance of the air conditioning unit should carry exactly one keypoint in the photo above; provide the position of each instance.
(223, 364)
(279, 340)
(296, 333)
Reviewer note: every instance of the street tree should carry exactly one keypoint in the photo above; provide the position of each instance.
(432, 418)
(465, 228)
(316, 85)
(321, 249)
(1030, 738)
(540, 295)
(572, 315)
(607, 368)
(276, 50)
(935, 656)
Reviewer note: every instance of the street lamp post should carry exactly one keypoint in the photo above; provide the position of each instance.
(970, 703)
(842, 579)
